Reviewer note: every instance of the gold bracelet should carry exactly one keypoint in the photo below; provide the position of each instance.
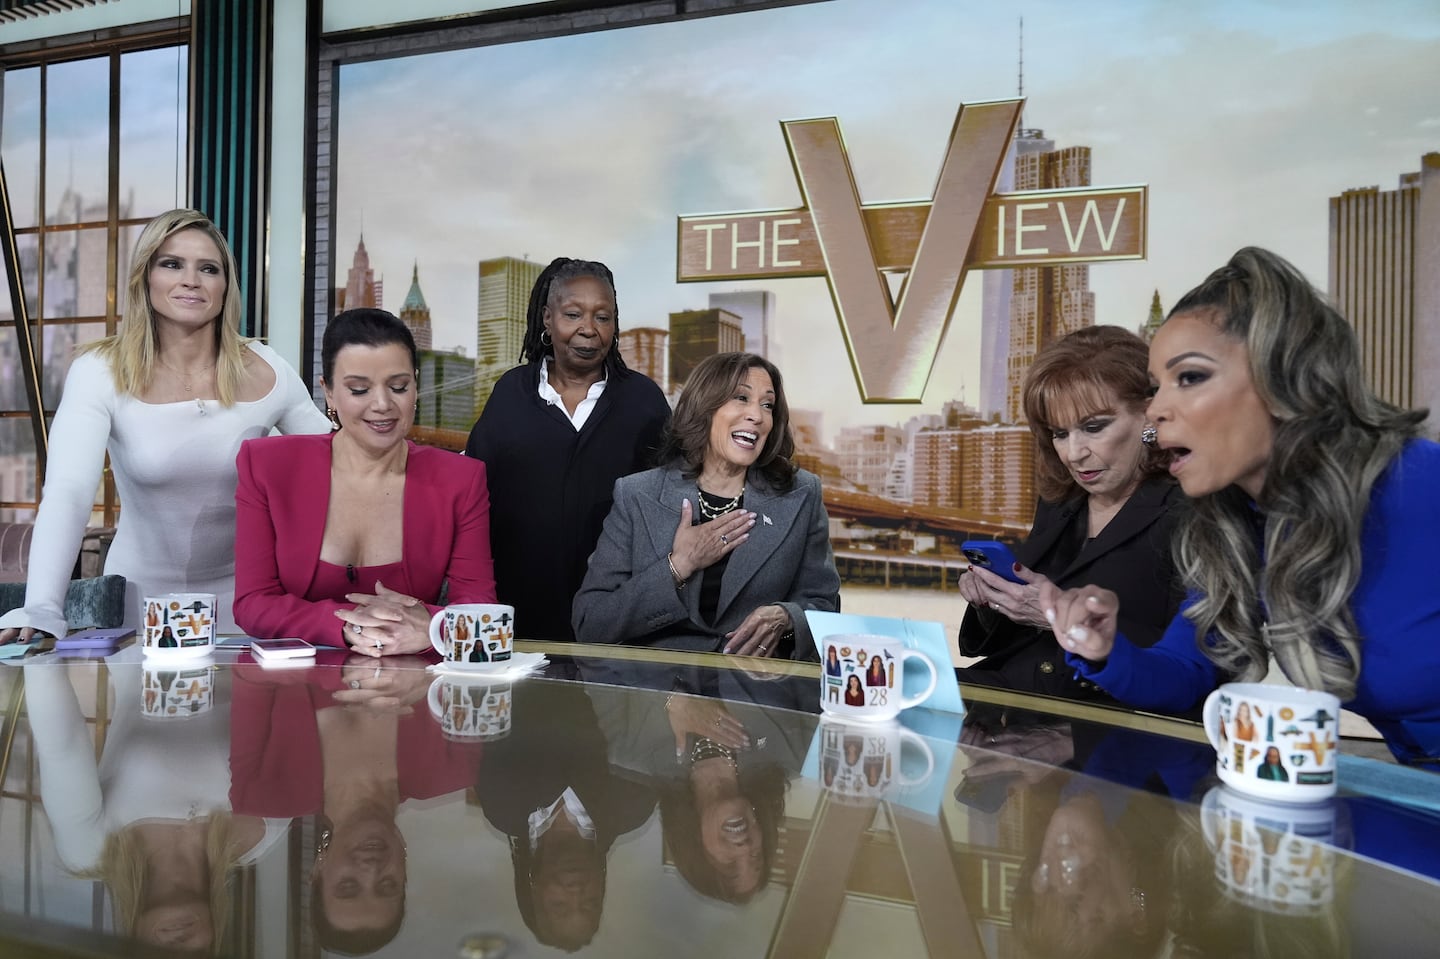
(674, 573)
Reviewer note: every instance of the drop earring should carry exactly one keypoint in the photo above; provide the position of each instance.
(334, 417)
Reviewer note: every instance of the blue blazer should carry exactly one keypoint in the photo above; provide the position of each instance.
(628, 594)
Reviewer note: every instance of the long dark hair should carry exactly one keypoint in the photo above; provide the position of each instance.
(562, 270)
(709, 387)
(1333, 439)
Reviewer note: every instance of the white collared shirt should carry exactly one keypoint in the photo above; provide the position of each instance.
(542, 819)
(585, 407)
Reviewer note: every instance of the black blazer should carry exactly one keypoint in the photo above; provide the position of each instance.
(1130, 557)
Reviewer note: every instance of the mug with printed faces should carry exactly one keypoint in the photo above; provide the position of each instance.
(470, 711)
(178, 624)
(862, 677)
(175, 692)
(861, 762)
(1280, 857)
(1274, 742)
(474, 636)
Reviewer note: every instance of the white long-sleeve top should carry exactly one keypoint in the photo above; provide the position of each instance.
(151, 769)
(174, 468)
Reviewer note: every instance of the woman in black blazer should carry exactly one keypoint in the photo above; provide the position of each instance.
(1107, 512)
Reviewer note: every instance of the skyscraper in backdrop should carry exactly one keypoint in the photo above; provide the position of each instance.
(1046, 302)
(1385, 279)
(505, 284)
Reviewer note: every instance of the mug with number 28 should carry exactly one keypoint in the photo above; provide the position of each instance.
(863, 677)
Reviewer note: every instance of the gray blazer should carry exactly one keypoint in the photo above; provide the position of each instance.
(628, 592)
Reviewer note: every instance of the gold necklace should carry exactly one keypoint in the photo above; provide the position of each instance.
(715, 512)
(185, 378)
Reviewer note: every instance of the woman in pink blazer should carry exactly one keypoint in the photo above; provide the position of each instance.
(347, 539)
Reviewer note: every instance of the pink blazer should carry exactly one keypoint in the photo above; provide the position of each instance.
(280, 507)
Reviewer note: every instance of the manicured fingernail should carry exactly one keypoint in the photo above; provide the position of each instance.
(1016, 567)
(1076, 632)
(1050, 616)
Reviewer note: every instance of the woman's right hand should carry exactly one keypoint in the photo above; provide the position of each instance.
(1083, 619)
(23, 633)
(700, 547)
(704, 717)
(1018, 602)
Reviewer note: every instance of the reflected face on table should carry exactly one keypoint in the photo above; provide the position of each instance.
(183, 924)
(730, 834)
(739, 428)
(362, 877)
(373, 394)
(580, 318)
(1081, 874)
(568, 885)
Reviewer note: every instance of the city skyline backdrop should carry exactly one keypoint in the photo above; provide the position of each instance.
(682, 119)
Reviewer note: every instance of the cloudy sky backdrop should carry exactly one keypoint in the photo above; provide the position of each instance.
(1243, 118)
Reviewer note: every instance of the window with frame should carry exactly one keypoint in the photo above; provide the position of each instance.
(93, 147)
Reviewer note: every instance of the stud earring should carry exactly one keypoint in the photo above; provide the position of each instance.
(1149, 435)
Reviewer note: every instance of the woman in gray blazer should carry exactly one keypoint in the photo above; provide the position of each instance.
(726, 545)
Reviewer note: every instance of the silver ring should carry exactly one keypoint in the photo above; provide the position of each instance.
(379, 645)
(724, 540)
(763, 647)
(356, 628)
(354, 684)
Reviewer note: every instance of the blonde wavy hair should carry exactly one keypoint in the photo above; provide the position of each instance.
(132, 351)
(1333, 439)
(123, 871)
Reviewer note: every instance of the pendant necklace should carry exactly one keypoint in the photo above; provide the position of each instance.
(724, 506)
(186, 379)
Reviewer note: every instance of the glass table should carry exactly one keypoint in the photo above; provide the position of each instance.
(629, 802)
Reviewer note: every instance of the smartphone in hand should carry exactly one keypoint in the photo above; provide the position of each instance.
(992, 556)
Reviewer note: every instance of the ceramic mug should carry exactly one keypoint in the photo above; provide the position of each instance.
(862, 677)
(178, 624)
(473, 633)
(1280, 857)
(175, 692)
(1274, 742)
(861, 762)
(470, 711)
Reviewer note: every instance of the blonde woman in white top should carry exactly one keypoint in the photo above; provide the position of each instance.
(170, 397)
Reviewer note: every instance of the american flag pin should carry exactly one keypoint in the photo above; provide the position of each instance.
(766, 519)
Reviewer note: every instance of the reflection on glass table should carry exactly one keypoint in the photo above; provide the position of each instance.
(641, 802)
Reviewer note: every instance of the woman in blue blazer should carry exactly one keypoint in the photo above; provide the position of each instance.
(1311, 533)
(726, 545)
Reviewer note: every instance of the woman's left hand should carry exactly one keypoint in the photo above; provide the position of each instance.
(1016, 602)
(760, 633)
(390, 623)
(393, 686)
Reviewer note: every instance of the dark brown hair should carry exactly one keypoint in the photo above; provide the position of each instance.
(1078, 376)
(710, 386)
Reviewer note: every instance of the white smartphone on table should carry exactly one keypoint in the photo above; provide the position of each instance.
(266, 649)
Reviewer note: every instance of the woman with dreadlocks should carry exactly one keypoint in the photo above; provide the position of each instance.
(556, 434)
